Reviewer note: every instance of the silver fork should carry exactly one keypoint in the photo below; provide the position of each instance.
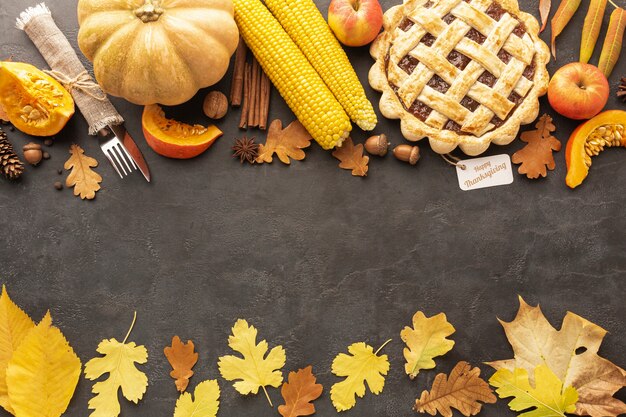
(116, 152)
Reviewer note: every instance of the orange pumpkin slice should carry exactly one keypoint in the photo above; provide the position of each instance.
(34, 102)
(174, 139)
(607, 129)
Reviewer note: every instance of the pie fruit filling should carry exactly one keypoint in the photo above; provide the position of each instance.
(460, 72)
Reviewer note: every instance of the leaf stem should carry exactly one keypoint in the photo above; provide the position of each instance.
(614, 5)
(381, 348)
(267, 396)
(131, 327)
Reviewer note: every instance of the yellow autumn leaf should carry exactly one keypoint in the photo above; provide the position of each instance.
(548, 398)
(206, 401)
(14, 326)
(43, 372)
(119, 362)
(362, 365)
(254, 370)
(425, 341)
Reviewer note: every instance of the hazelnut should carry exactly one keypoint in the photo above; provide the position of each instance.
(377, 145)
(215, 105)
(407, 153)
(32, 153)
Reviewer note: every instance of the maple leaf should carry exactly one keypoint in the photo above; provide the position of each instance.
(299, 393)
(206, 403)
(285, 143)
(426, 340)
(43, 372)
(84, 179)
(14, 326)
(119, 362)
(182, 358)
(537, 154)
(547, 397)
(463, 390)
(351, 157)
(254, 370)
(363, 366)
(571, 353)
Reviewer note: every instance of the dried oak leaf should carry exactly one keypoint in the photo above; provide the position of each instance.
(548, 398)
(43, 372)
(285, 143)
(14, 326)
(362, 365)
(570, 353)
(84, 180)
(537, 155)
(254, 370)
(182, 358)
(206, 403)
(424, 341)
(352, 157)
(299, 393)
(463, 390)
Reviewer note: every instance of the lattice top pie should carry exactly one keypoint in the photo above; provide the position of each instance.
(460, 72)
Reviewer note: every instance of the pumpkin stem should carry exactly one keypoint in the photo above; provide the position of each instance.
(150, 11)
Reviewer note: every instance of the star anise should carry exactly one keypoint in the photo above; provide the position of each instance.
(621, 89)
(246, 150)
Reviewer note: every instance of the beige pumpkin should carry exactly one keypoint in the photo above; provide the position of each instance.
(157, 51)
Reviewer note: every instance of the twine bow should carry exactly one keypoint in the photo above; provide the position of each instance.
(82, 82)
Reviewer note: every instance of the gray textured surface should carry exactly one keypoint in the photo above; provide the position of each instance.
(313, 257)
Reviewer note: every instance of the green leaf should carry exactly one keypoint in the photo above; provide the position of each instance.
(613, 41)
(591, 28)
(561, 18)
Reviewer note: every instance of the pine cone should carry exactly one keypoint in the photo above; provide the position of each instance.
(10, 164)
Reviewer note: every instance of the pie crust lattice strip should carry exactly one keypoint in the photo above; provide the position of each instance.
(460, 72)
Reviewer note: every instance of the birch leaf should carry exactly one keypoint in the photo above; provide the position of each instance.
(361, 366)
(43, 372)
(14, 326)
(591, 28)
(204, 404)
(571, 353)
(83, 178)
(612, 46)
(425, 341)
(548, 398)
(561, 18)
(544, 12)
(254, 370)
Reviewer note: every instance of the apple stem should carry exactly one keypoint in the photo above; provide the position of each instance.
(357, 5)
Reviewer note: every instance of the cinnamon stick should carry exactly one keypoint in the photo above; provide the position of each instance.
(259, 97)
(236, 88)
(243, 121)
(266, 87)
(253, 92)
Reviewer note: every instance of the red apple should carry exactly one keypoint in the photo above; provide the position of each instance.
(578, 91)
(355, 22)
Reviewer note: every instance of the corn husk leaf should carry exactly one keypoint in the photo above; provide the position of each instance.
(613, 41)
(561, 18)
(591, 28)
(544, 12)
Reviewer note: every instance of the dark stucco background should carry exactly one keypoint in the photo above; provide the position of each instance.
(316, 259)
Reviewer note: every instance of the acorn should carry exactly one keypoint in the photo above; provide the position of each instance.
(377, 145)
(32, 153)
(407, 153)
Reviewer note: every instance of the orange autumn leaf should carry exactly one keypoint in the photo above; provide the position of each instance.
(299, 392)
(352, 157)
(537, 154)
(591, 29)
(561, 18)
(613, 41)
(182, 358)
(544, 12)
(285, 143)
(83, 178)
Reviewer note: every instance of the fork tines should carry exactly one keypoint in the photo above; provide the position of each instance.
(116, 152)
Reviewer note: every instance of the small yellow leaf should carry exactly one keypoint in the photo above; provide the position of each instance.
(426, 340)
(591, 28)
(206, 402)
(363, 366)
(43, 373)
(254, 370)
(119, 362)
(14, 326)
(612, 47)
(83, 178)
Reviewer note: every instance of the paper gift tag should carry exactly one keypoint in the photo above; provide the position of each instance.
(489, 171)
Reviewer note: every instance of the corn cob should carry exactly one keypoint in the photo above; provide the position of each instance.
(306, 26)
(292, 74)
